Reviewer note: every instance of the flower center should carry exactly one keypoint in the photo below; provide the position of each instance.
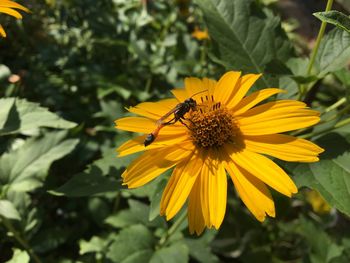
(212, 126)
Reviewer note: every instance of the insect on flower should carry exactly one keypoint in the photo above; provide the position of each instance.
(179, 112)
(224, 132)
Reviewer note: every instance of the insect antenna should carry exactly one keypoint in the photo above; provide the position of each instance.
(198, 93)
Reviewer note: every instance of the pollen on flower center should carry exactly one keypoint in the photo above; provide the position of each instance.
(213, 128)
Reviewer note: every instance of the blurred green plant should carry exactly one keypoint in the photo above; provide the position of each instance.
(69, 70)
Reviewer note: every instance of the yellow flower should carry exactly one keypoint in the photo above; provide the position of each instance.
(319, 205)
(8, 7)
(200, 34)
(228, 132)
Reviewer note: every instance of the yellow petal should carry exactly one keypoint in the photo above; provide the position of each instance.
(144, 125)
(276, 117)
(253, 99)
(270, 109)
(319, 205)
(283, 147)
(213, 190)
(252, 191)
(209, 84)
(11, 4)
(194, 86)
(245, 83)
(2, 31)
(154, 110)
(180, 94)
(10, 12)
(180, 185)
(153, 163)
(195, 216)
(203, 192)
(227, 86)
(264, 169)
(217, 193)
(278, 125)
(137, 144)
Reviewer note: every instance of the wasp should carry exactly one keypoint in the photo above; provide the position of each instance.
(179, 112)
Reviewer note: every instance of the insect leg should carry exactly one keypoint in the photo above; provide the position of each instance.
(182, 122)
(172, 121)
(186, 119)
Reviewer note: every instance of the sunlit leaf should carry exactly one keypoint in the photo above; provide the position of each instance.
(87, 183)
(26, 167)
(133, 244)
(4, 71)
(330, 176)
(333, 53)
(245, 38)
(336, 18)
(175, 253)
(21, 116)
(8, 210)
(19, 256)
(95, 244)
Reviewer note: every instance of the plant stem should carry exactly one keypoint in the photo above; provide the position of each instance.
(172, 229)
(203, 58)
(335, 105)
(20, 240)
(336, 126)
(315, 49)
(338, 114)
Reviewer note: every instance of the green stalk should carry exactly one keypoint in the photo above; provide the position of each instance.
(172, 230)
(336, 126)
(20, 240)
(315, 49)
(335, 105)
(203, 58)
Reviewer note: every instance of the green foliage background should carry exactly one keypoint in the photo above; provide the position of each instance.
(81, 62)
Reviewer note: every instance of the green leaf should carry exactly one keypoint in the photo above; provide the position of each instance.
(336, 18)
(200, 247)
(133, 244)
(5, 110)
(19, 256)
(95, 244)
(21, 116)
(110, 162)
(343, 76)
(25, 168)
(244, 37)
(323, 249)
(137, 214)
(331, 175)
(333, 53)
(176, 253)
(94, 179)
(4, 71)
(50, 238)
(87, 183)
(148, 190)
(155, 200)
(8, 210)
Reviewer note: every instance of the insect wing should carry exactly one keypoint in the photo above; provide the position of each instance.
(165, 116)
